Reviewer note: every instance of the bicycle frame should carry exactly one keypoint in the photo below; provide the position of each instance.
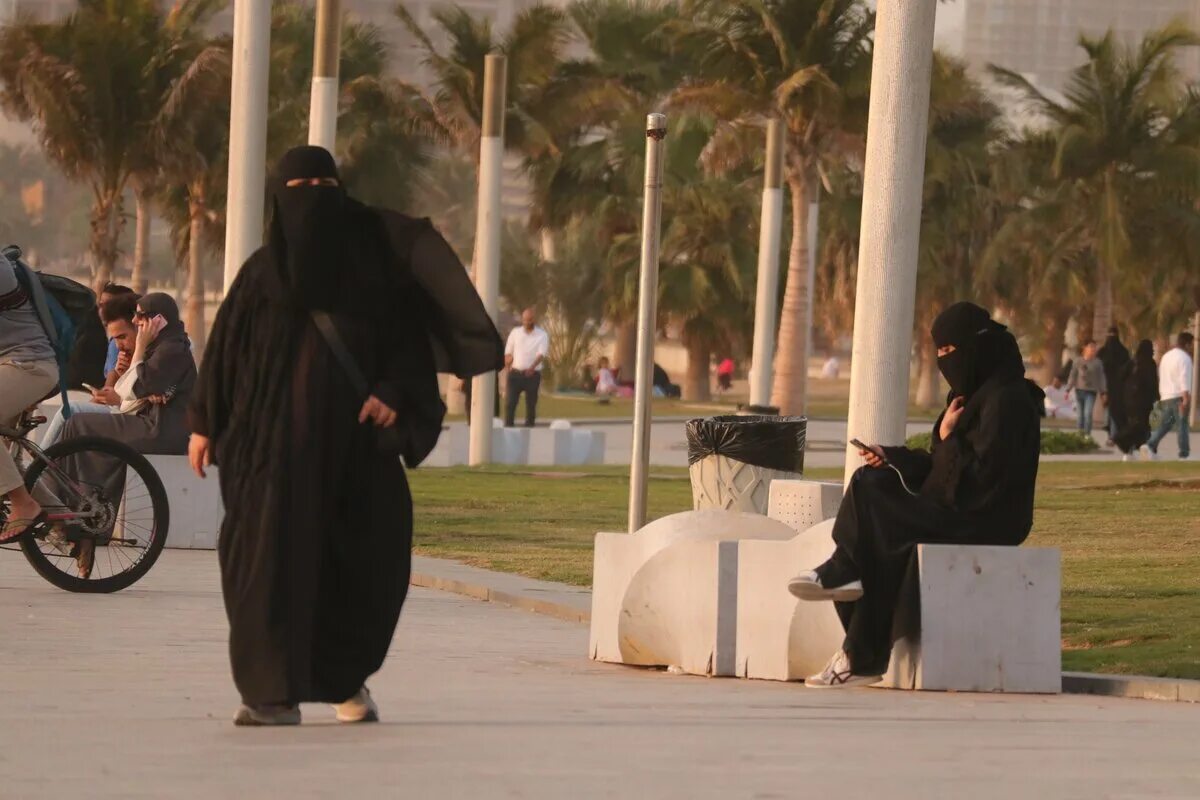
(19, 443)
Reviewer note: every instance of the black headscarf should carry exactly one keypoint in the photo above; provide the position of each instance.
(158, 304)
(1143, 359)
(983, 348)
(308, 227)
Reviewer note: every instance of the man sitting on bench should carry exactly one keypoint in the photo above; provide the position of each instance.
(976, 487)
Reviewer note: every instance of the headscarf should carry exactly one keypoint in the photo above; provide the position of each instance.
(1143, 359)
(983, 348)
(160, 304)
(308, 227)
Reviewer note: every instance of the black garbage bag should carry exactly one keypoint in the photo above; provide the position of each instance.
(767, 442)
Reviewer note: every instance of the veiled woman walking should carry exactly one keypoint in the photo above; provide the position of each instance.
(320, 374)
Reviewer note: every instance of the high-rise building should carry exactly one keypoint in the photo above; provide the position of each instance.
(1040, 38)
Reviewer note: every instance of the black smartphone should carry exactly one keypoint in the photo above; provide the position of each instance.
(859, 444)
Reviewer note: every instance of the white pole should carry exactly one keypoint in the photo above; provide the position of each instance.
(767, 296)
(891, 222)
(1195, 367)
(247, 134)
(656, 132)
(814, 219)
(323, 103)
(487, 245)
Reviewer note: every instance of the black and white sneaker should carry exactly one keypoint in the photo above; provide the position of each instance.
(808, 586)
(837, 675)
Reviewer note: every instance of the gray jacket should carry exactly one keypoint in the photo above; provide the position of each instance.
(22, 336)
(1088, 375)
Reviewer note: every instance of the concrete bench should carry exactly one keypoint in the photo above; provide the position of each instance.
(558, 445)
(803, 504)
(667, 595)
(196, 508)
(990, 622)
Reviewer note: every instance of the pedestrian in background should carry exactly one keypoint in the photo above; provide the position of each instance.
(525, 356)
(1138, 386)
(1175, 389)
(1115, 357)
(1088, 382)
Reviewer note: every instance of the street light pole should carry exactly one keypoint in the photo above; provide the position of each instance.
(247, 134)
(891, 223)
(767, 295)
(487, 245)
(656, 133)
(323, 104)
(1195, 366)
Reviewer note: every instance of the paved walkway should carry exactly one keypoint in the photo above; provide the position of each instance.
(128, 696)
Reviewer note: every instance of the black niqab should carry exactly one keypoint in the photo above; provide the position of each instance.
(308, 228)
(983, 348)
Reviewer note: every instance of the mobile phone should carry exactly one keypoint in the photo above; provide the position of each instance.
(859, 444)
(89, 387)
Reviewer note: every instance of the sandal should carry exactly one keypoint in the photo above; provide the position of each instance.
(85, 557)
(12, 531)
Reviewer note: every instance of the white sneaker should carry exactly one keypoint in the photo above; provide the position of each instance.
(837, 675)
(1127, 457)
(359, 708)
(807, 586)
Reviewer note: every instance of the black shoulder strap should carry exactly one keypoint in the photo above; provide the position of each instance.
(329, 332)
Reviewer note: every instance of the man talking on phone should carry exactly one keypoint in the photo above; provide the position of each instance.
(976, 486)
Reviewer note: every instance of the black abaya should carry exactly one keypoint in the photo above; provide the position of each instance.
(315, 544)
(1138, 389)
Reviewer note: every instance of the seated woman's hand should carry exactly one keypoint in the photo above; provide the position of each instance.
(378, 412)
(873, 456)
(951, 417)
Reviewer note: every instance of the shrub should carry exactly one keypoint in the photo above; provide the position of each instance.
(1054, 443)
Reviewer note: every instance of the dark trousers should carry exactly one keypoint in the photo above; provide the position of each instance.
(519, 382)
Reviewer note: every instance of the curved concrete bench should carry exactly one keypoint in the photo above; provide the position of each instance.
(554, 446)
(667, 595)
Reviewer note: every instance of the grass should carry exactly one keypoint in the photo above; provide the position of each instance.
(1129, 534)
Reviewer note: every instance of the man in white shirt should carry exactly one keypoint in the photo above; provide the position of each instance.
(1175, 391)
(524, 356)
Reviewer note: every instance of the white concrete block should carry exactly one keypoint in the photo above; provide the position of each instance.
(779, 637)
(990, 622)
(803, 504)
(720, 482)
(196, 508)
(667, 596)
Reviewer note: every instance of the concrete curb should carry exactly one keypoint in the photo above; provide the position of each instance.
(1128, 686)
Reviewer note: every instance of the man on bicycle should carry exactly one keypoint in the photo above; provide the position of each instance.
(28, 373)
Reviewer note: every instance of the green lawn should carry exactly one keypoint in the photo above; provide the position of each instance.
(1130, 536)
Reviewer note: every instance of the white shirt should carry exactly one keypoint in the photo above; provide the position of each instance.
(1058, 403)
(130, 402)
(606, 383)
(1174, 374)
(525, 347)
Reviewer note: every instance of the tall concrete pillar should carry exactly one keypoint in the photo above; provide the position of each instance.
(891, 224)
(323, 104)
(247, 134)
(766, 302)
(487, 245)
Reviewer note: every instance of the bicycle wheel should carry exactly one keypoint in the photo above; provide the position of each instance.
(107, 497)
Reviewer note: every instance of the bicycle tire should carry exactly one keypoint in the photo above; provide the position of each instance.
(134, 461)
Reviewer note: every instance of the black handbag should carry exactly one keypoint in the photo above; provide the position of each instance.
(396, 440)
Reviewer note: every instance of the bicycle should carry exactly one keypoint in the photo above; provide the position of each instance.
(86, 521)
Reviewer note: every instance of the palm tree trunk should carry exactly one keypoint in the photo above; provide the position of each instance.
(106, 236)
(928, 383)
(789, 392)
(1054, 327)
(549, 246)
(697, 384)
(194, 314)
(625, 356)
(1103, 313)
(141, 241)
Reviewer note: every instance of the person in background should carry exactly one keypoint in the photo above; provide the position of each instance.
(606, 381)
(118, 317)
(1138, 387)
(1059, 404)
(725, 372)
(28, 372)
(525, 356)
(663, 386)
(831, 368)
(112, 291)
(1175, 389)
(1115, 357)
(1088, 383)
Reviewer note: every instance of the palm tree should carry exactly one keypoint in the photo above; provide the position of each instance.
(807, 63)
(1112, 135)
(86, 85)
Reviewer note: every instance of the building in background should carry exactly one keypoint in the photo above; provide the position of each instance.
(1040, 38)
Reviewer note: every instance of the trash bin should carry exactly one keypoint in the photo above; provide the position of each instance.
(733, 459)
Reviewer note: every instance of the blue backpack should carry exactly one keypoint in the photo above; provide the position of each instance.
(61, 304)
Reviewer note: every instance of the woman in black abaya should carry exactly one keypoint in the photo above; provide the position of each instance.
(315, 545)
(976, 487)
(1138, 388)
